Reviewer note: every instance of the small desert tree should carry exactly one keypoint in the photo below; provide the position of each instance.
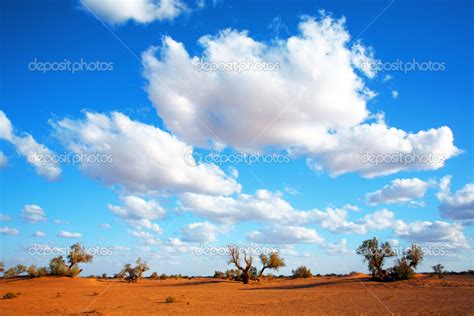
(15, 271)
(235, 259)
(77, 254)
(438, 270)
(133, 274)
(375, 253)
(2, 266)
(272, 261)
(57, 266)
(405, 267)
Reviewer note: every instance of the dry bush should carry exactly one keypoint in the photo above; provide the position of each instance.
(154, 276)
(170, 299)
(219, 275)
(302, 272)
(15, 271)
(133, 274)
(10, 295)
(438, 270)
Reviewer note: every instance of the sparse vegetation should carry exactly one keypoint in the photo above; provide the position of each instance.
(219, 275)
(235, 259)
(77, 254)
(133, 274)
(154, 276)
(273, 261)
(15, 271)
(438, 270)
(404, 268)
(375, 253)
(302, 272)
(170, 299)
(9, 295)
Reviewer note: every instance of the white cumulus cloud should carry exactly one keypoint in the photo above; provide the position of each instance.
(399, 191)
(140, 157)
(458, 205)
(314, 105)
(27, 147)
(33, 213)
(141, 11)
(67, 234)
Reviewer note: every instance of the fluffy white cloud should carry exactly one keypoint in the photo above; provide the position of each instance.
(39, 234)
(458, 205)
(436, 233)
(142, 11)
(145, 224)
(263, 205)
(285, 235)
(398, 191)
(8, 231)
(270, 207)
(315, 88)
(199, 232)
(33, 213)
(144, 158)
(314, 105)
(27, 147)
(67, 234)
(135, 208)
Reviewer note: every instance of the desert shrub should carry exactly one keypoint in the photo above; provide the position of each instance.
(10, 295)
(77, 254)
(32, 271)
(302, 272)
(42, 271)
(170, 299)
(374, 253)
(57, 266)
(154, 276)
(133, 274)
(219, 275)
(15, 271)
(163, 276)
(104, 275)
(404, 268)
(233, 274)
(438, 270)
(2, 266)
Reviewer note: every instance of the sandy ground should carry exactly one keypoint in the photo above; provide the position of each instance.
(453, 295)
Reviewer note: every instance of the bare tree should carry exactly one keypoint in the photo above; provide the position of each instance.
(273, 261)
(133, 274)
(235, 259)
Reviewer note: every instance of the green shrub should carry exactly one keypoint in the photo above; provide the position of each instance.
(219, 275)
(302, 272)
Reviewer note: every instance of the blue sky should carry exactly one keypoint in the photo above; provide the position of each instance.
(319, 110)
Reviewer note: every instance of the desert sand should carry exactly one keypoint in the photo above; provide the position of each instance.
(452, 295)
